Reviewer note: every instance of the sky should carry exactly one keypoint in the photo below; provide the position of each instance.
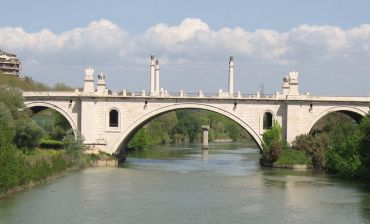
(326, 41)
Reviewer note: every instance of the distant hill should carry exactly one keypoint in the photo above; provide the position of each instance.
(28, 84)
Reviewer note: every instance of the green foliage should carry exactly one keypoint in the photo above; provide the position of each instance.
(315, 146)
(58, 133)
(343, 161)
(364, 146)
(184, 126)
(6, 125)
(140, 141)
(74, 145)
(50, 144)
(271, 136)
(12, 167)
(12, 98)
(343, 156)
(28, 84)
(339, 145)
(329, 122)
(61, 87)
(292, 157)
(272, 144)
(28, 134)
(17, 128)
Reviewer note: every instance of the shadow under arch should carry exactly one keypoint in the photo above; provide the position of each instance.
(39, 106)
(355, 113)
(136, 125)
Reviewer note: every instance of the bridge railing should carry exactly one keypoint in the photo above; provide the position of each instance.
(199, 94)
(125, 93)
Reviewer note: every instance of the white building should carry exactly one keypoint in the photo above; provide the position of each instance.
(9, 63)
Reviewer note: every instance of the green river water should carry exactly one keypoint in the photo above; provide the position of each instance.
(184, 185)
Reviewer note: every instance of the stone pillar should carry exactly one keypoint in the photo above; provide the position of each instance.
(89, 81)
(152, 78)
(157, 77)
(231, 76)
(205, 129)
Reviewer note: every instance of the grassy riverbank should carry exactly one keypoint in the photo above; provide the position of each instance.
(19, 170)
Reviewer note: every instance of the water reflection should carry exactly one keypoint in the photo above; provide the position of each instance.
(205, 155)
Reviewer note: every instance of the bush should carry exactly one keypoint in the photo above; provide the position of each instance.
(51, 144)
(12, 167)
(272, 135)
(313, 146)
(39, 170)
(74, 145)
(273, 153)
(345, 161)
(272, 144)
(58, 133)
(59, 163)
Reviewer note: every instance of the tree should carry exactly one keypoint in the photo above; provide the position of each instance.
(13, 99)
(6, 125)
(364, 146)
(28, 134)
(140, 141)
(74, 145)
(343, 156)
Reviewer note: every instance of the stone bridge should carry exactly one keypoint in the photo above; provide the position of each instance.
(109, 119)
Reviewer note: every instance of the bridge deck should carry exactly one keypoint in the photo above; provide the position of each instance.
(196, 96)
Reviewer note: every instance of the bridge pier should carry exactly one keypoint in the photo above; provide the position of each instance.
(205, 129)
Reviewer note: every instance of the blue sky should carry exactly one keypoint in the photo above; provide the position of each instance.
(137, 16)
(328, 42)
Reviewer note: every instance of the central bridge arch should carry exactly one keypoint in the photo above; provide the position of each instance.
(137, 124)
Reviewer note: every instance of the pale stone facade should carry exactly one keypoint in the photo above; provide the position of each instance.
(88, 111)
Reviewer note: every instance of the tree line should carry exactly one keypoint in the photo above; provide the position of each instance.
(184, 126)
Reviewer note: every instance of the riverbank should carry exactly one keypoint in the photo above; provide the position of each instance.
(45, 165)
(32, 184)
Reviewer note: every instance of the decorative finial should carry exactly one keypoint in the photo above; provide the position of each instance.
(157, 62)
(231, 58)
(101, 76)
(89, 72)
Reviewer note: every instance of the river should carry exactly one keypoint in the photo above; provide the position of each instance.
(183, 185)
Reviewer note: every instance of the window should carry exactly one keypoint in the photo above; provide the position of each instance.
(267, 120)
(113, 118)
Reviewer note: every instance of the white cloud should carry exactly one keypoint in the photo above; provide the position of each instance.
(193, 48)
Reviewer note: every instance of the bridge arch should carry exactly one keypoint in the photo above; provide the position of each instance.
(353, 112)
(31, 105)
(137, 124)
